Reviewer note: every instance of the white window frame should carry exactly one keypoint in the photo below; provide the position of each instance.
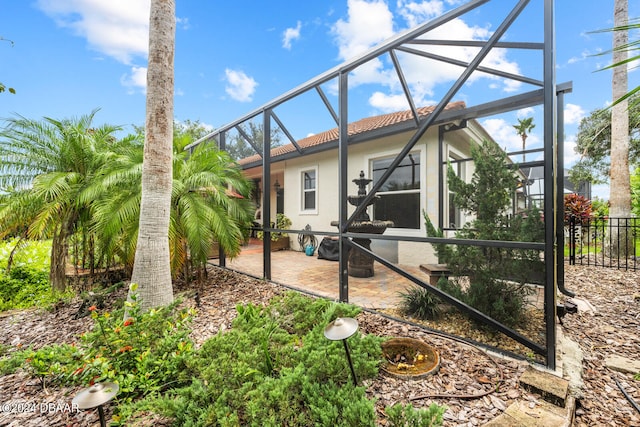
(454, 154)
(421, 151)
(302, 191)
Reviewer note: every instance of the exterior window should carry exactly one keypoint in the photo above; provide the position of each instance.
(309, 190)
(400, 194)
(455, 214)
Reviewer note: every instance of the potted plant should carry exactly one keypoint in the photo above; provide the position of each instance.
(279, 240)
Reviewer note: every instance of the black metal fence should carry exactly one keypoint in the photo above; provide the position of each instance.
(603, 241)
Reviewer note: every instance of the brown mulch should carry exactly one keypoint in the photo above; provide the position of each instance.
(475, 386)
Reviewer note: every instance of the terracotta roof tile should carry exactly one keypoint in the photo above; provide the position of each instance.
(358, 127)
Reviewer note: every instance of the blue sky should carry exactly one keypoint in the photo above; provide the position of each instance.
(71, 56)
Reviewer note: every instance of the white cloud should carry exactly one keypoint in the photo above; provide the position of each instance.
(415, 13)
(291, 34)
(136, 80)
(524, 113)
(388, 103)
(240, 87)
(117, 28)
(573, 114)
(353, 36)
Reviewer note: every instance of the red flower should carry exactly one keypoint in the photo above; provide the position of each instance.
(128, 322)
(126, 348)
(93, 308)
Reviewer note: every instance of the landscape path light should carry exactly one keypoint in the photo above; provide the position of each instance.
(341, 329)
(96, 395)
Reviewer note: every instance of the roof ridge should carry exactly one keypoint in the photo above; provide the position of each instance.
(360, 126)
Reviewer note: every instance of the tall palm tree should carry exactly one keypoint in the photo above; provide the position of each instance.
(620, 183)
(203, 210)
(45, 166)
(151, 269)
(524, 128)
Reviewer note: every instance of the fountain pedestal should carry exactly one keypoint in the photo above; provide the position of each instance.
(361, 264)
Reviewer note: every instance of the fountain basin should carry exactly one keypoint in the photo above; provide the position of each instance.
(409, 358)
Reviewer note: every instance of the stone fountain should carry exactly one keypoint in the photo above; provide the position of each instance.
(361, 264)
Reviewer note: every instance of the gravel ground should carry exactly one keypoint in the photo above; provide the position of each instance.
(466, 382)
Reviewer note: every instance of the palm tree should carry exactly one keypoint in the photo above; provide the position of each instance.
(45, 167)
(620, 183)
(524, 128)
(203, 210)
(151, 269)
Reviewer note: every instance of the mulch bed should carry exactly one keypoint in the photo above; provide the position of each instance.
(474, 385)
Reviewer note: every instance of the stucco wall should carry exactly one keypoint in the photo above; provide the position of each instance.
(360, 155)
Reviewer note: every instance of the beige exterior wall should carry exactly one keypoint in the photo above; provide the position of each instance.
(325, 164)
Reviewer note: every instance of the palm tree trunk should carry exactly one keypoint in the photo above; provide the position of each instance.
(59, 250)
(620, 187)
(151, 269)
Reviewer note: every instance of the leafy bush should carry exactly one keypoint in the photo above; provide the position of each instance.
(408, 416)
(143, 354)
(34, 253)
(273, 368)
(26, 283)
(419, 303)
(283, 223)
(576, 206)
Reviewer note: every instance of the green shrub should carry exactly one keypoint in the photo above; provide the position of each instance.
(419, 303)
(34, 253)
(144, 354)
(26, 284)
(490, 278)
(274, 368)
(408, 416)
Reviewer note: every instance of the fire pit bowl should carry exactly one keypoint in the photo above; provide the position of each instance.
(409, 358)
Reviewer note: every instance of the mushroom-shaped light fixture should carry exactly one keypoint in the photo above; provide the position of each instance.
(341, 329)
(96, 395)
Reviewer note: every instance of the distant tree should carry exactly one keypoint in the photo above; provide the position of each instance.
(635, 192)
(524, 128)
(194, 129)
(239, 148)
(593, 143)
(152, 269)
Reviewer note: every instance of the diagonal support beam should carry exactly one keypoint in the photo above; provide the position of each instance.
(473, 65)
(250, 140)
(405, 86)
(286, 132)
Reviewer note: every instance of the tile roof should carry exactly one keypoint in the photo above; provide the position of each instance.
(362, 126)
